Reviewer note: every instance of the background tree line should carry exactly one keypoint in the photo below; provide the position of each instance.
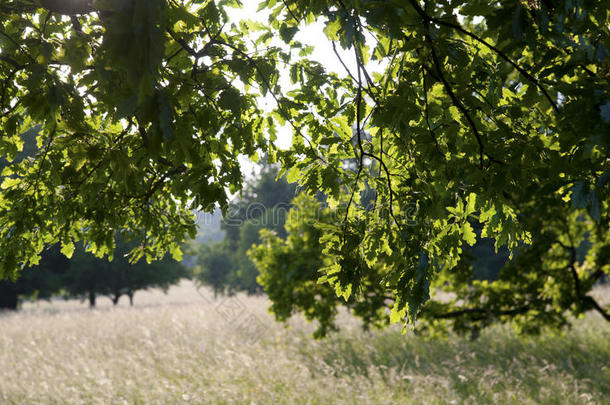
(87, 277)
(84, 276)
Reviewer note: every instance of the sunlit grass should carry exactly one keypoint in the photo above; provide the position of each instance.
(183, 349)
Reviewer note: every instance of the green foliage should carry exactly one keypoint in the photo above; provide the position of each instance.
(225, 266)
(497, 125)
(497, 119)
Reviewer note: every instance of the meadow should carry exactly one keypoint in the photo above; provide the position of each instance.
(187, 348)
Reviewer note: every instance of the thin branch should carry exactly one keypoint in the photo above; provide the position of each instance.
(458, 103)
(286, 116)
(595, 276)
(290, 12)
(595, 305)
(349, 73)
(359, 135)
(17, 45)
(572, 268)
(503, 56)
(11, 61)
(586, 299)
(78, 28)
(173, 55)
(342, 62)
(427, 115)
(156, 185)
(183, 44)
(478, 314)
(44, 158)
(427, 19)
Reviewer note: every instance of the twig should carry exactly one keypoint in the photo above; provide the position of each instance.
(458, 103)
(427, 19)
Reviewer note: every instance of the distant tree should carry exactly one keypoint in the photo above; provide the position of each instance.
(87, 276)
(161, 274)
(214, 265)
(225, 266)
(266, 191)
(274, 220)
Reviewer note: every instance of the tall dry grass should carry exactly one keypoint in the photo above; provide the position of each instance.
(185, 348)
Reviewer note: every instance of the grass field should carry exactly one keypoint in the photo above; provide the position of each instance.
(188, 348)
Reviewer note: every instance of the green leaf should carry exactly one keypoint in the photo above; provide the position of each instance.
(468, 234)
(397, 314)
(67, 249)
(293, 175)
(230, 100)
(471, 204)
(9, 182)
(287, 33)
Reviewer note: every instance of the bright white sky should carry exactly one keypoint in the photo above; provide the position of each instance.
(309, 35)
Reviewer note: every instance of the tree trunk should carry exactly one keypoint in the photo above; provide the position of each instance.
(91, 299)
(9, 298)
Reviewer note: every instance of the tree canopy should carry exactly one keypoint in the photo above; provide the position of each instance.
(479, 114)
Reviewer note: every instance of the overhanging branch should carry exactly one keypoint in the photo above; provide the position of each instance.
(68, 7)
(11, 61)
(524, 72)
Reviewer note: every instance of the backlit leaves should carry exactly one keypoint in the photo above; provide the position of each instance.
(492, 124)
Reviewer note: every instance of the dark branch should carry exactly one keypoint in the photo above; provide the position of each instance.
(358, 134)
(68, 7)
(266, 82)
(478, 314)
(367, 91)
(503, 56)
(427, 115)
(11, 61)
(290, 12)
(585, 299)
(595, 305)
(428, 19)
(458, 103)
